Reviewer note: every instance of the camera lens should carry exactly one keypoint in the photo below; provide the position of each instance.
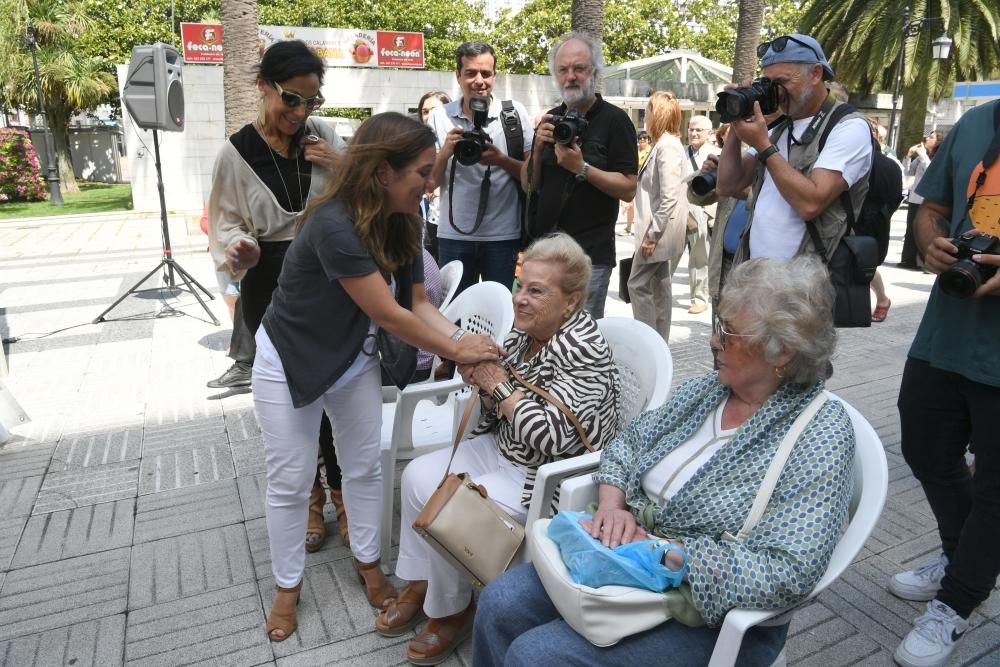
(564, 132)
(961, 280)
(468, 152)
(702, 184)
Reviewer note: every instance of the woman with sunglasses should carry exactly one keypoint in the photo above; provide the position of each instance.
(357, 244)
(689, 472)
(263, 178)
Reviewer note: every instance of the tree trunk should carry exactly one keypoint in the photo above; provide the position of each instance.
(239, 29)
(913, 115)
(57, 119)
(747, 38)
(588, 17)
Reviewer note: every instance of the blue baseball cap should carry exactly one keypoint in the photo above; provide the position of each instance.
(795, 48)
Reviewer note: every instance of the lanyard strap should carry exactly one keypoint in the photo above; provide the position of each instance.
(484, 197)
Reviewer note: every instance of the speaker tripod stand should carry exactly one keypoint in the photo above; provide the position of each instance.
(168, 262)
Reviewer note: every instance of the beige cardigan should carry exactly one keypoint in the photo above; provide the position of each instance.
(242, 207)
(661, 204)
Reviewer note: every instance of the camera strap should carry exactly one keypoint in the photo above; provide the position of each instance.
(814, 125)
(484, 197)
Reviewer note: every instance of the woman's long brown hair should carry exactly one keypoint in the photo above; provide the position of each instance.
(393, 239)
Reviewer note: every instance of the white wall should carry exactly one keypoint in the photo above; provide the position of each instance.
(187, 157)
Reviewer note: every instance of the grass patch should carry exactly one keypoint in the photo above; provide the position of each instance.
(92, 198)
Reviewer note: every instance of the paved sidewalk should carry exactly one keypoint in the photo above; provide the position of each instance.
(131, 508)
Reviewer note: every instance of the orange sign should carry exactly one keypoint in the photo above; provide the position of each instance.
(400, 49)
(202, 42)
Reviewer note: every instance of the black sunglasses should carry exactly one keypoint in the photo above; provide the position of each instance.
(293, 100)
(778, 45)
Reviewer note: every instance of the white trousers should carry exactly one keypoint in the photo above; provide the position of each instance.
(354, 405)
(448, 592)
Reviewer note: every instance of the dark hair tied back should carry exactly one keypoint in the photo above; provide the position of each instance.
(288, 59)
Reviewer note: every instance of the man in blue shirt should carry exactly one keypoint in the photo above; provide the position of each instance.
(949, 401)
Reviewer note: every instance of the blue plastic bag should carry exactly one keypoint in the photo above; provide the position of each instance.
(590, 563)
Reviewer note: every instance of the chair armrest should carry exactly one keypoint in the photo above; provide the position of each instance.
(734, 626)
(550, 476)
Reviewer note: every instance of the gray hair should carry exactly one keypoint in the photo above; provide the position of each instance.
(706, 119)
(562, 248)
(789, 308)
(596, 53)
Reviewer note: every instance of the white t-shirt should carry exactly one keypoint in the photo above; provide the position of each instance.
(777, 229)
(665, 479)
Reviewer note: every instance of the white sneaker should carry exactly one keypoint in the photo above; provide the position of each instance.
(932, 638)
(921, 584)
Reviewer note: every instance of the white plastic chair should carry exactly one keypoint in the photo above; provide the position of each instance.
(423, 417)
(645, 371)
(451, 276)
(871, 483)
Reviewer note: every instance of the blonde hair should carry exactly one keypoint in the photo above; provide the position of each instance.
(392, 239)
(563, 249)
(664, 115)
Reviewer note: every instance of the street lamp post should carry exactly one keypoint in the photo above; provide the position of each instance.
(940, 49)
(55, 196)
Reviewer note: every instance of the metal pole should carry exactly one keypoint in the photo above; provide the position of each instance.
(899, 79)
(55, 196)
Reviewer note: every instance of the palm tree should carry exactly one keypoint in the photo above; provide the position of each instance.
(588, 17)
(862, 39)
(747, 37)
(70, 81)
(239, 29)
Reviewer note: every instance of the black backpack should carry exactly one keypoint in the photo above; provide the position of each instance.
(885, 191)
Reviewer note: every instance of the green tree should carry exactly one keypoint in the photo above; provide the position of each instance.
(70, 81)
(862, 38)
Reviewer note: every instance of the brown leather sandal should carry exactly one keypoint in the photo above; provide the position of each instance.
(337, 498)
(282, 617)
(440, 637)
(316, 528)
(403, 613)
(378, 588)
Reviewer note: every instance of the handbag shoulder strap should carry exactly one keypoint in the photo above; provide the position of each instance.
(469, 407)
(778, 465)
(556, 402)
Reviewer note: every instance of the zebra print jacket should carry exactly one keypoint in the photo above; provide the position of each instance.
(577, 367)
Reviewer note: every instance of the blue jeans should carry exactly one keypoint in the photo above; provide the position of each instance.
(598, 293)
(516, 624)
(486, 260)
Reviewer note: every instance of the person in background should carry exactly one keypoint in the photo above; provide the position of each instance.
(629, 206)
(430, 205)
(263, 178)
(318, 347)
(918, 159)
(700, 218)
(882, 301)
(662, 208)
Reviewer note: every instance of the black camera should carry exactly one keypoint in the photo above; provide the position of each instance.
(469, 149)
(568, 127)
(738, 102)
(964, 277)
(703, 183)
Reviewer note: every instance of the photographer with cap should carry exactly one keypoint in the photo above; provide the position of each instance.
(792, 180)
(580, 175)
(480, 216)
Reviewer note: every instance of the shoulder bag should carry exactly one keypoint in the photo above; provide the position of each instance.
(461, 523)
(606, 615)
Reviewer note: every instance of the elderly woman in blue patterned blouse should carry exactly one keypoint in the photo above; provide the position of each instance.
(690, 471)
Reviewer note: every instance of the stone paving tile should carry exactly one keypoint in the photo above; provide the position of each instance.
(847, 650)
(332, 607)
(252, 491)
(76, 532)
(10, 532)
(25, 459)
(333, 550)
(188, 510)
(241, 424)
(189, 564)
(73, 590)
(362, 651)
(248, 455)
(91, 449)
(96, 643)
(77, 487)
(17, 495)
(171, 467)
(224, 627)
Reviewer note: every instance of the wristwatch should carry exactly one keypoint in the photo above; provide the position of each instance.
(766, 153)
(582, 176)
(502, 392)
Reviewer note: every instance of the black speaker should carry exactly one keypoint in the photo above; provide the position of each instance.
(154, 88)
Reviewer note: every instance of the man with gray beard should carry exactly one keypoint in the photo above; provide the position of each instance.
(579, 184)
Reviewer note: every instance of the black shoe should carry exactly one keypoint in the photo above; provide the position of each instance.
(907, 266)
(238, 375)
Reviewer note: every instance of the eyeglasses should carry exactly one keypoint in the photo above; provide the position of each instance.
(579, 70)
(778, 45)
(699, 130)
(293, 100)
(724, 335)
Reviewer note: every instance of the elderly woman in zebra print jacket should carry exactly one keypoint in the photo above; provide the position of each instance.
(556, 346)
